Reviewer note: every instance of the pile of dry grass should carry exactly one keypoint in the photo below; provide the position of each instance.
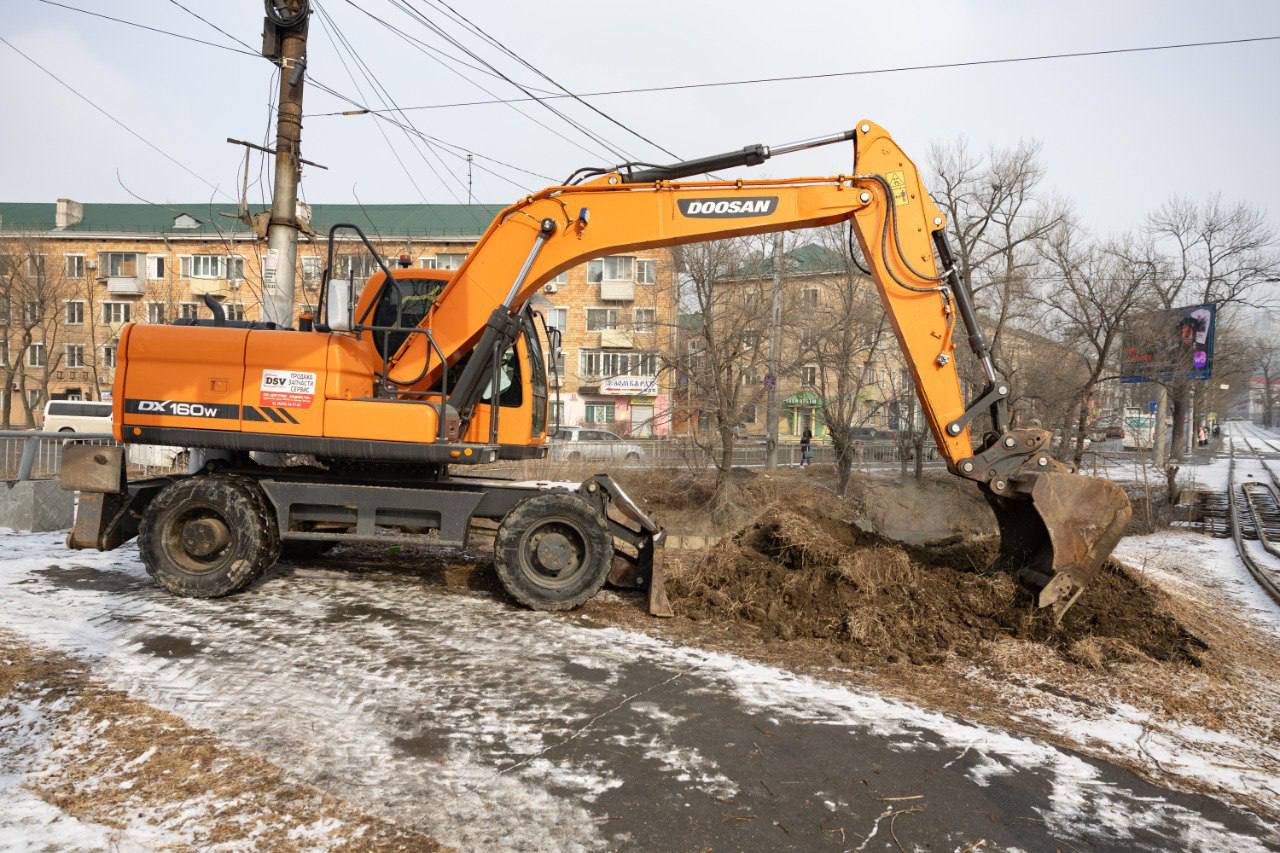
(798, 573)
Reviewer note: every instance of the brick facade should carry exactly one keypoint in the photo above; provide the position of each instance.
(125, 263)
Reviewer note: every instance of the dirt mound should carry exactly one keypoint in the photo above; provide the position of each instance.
(811, 576)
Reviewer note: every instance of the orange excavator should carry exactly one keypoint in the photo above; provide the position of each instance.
(399, 394)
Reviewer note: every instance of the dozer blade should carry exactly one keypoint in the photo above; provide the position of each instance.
(1056, 531)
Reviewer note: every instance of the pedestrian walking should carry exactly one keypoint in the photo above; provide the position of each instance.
(806, 448)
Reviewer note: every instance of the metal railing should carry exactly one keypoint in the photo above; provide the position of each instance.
(35, 455)
(674, 452)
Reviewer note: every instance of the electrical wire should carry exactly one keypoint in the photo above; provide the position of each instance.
(73, 90)
(157, 30)
(421, 18)
(420, 45)
(235, 39)
(509, 52)
(791, 78)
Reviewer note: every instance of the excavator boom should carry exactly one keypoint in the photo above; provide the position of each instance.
(1057, 527)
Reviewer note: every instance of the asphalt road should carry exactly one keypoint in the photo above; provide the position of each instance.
(493, 728)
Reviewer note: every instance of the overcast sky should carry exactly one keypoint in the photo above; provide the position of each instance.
(1119, 133)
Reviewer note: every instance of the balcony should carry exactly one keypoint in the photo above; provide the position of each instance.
(210, 286)
(616, 339)
(119, 285)
(618, 291)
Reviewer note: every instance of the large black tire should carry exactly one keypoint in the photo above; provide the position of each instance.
(553, 551)
(207, 536)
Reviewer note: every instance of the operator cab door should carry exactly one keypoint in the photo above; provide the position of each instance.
(522, 391)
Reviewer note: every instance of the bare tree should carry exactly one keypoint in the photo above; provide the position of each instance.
(843, 336)
(995, 217)
(1214, 253)
(33, 292)
(724, 354)
(1267, 358)
(1089, 296)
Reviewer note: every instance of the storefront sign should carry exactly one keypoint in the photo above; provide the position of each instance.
(630, 385)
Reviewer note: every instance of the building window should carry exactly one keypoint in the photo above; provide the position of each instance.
(612, 268)
(155, 312)
(646, 270)
(646, 319)
(31, 313)
(119, 264)
(450, 260)
(601, 319)
(810, 295)
(155, 267)
(75, 355)
(34, 266)
(74, 266)
(35, 355)
(599, 413)
(563, 278)
(427, 263)
(212, 266)
(116, 312)
(601, 364)
(109, 355)
(748, 415)
(235, 311)
(34, 398)
(809, 375)
(310, 269)
(4, 353)
(75, 313)
(557, 412)
(187, 310)
(4, 310)
(557, 318)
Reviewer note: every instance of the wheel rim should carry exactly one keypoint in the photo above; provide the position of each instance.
(198, 539)
(554, 552)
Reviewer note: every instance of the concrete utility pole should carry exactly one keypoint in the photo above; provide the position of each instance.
(775, 347)
(289, 20)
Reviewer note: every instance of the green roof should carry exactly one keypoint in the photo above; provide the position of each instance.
(219, 220)
(809, 259)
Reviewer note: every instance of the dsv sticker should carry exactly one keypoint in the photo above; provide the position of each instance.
(182, 409)
(728, 208)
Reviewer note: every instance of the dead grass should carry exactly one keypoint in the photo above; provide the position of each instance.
(119, 759)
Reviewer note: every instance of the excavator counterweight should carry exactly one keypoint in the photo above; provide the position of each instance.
(423, 371)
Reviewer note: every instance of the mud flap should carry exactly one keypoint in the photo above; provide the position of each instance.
(1056, 531)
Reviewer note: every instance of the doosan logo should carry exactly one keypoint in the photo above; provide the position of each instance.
(728, 208)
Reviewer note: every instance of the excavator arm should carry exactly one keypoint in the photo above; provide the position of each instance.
(1057, 527)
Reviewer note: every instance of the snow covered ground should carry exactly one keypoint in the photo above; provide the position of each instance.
(493, 728)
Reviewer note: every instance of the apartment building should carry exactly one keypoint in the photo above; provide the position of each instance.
(72, 274)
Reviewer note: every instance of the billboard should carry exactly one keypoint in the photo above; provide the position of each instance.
(1168, 346)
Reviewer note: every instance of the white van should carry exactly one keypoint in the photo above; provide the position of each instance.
(77, 416)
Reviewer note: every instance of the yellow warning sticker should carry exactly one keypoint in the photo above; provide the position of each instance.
(898, 183)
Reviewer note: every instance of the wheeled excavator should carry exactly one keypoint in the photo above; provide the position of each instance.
(399, 395)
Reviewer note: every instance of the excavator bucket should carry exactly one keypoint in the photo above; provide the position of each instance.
(1056, 531)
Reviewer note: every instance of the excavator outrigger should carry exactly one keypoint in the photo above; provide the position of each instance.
(427, 373)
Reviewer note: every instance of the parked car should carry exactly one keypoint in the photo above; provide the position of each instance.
(92, 416)
(77, 416)
(589, 444)
(1115, 431)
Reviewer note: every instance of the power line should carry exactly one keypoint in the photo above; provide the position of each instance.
(433, 27)
(236, 39)
(251, 52)
(256, 55)
(860, 73)
(117, 121)
(498, 44)
(419, 44)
